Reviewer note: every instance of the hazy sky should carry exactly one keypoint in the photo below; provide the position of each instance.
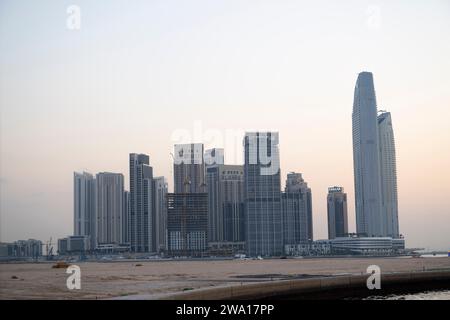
(138, 73)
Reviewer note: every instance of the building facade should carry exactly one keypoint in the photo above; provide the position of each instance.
(297, 210)
(109, 208)
(366, 164)
(262, 194)
(141, 204)
(225, 186)
(388, 170)
(160, 230)
(84, 205)
(337, 212)
(187, 224)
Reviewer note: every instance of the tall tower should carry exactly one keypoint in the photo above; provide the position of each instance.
(366, 163)
(84, 205)
(262, 194)
(388, 169)
(225, 202)
(337, 212)
(141, 216)
(109, 208)
(160, 189)
(297, 210)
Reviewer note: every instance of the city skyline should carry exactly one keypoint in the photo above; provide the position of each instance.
(92, 117)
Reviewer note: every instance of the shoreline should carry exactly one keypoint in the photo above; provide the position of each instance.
(159, 279)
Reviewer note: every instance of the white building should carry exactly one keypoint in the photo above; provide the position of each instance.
(388, 170)
(366, 165)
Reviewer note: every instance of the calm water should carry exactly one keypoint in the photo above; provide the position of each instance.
(427, 295)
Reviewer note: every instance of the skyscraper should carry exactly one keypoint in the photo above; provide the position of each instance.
(366, 163)
(126, 218)
(297, 210)
(141, 204)
(84, 205)
(337, 212)
(225, 185)
(188, 163)
(109, 208)
(187, 223)
(262, 194)
(160, 229)
(388, 170)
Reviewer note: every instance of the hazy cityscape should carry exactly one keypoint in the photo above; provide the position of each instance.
(218, 209)
(224, 150)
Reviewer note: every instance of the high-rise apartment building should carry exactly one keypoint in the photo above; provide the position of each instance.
(84, 205)
(160, 225)
(109, 206)
(337, 212)
(141, 204)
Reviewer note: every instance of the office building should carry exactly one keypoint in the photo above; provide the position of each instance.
(369, 220)
(337, 212)
(225, 186)
(262, 194)
(388, 170)
(297, 210)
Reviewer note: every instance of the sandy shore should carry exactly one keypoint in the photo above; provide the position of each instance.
(152, 279)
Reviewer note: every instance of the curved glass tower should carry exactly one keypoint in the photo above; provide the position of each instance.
(388, 170)
(366, 163)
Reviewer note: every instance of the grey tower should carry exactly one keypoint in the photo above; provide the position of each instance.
(297, 210)
(366, 163)
(84, 205)
(160, 229)
(262, 194)
(141, 204)
(225, 185)
(337, 212)
(388, 169)
(109, 208)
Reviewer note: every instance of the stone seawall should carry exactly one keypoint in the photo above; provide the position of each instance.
(289, 289)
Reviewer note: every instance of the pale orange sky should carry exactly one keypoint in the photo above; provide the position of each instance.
(135, 73)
